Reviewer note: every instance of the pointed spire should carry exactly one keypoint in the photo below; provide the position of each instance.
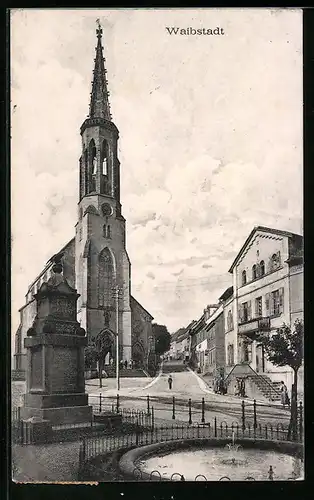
(99, 103)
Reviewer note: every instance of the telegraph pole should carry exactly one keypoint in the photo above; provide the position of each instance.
(117, 337)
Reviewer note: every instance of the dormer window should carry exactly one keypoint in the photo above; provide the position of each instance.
(254, 272)
(243, 278)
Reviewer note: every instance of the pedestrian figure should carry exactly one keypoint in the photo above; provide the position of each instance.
(130, 364)
(284, 394)
(242, 388)
(125, 364)
(216, 385)
(235, 389)
(170, 381)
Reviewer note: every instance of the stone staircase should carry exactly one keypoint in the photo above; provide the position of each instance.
(269, 389)
(173, 367)
(134, 372)
(263, 384)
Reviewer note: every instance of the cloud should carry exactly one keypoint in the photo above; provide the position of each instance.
(213, 151)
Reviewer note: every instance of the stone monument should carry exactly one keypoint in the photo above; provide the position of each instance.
(55, 386)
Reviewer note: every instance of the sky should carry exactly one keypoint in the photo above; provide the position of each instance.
(210, 141)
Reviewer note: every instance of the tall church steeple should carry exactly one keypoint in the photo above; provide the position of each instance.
(99, 164)
(99, 104)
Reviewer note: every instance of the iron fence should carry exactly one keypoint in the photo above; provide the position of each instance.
(93, 447)
(194, 411)
(155, 475)
(23, 430)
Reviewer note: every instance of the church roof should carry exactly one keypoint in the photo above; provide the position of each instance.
(140, 305)
(49, 264)
(99, 103)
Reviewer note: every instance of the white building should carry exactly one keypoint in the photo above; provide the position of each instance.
(180, 344)
(267, 292)
(207, 340)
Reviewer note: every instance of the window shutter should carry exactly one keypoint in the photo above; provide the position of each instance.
(278, 259)
(240, 313)
(281, 300)
(271, 304)
(256, 308)
(249, 309)
(270, 264)
(267, 304)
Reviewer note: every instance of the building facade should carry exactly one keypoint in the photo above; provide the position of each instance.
(267, 292)
(95, 261)
(208, 341)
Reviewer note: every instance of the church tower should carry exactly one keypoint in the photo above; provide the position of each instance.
(101, 262)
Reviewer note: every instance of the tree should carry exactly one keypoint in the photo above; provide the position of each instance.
(91, 355)
(285, 348)
(97, 351)
(162, 338)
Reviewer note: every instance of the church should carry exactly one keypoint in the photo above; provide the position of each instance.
(95, 261)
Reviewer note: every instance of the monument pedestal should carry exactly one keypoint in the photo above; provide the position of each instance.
(40, 430)
(55, 358)
(60, 416)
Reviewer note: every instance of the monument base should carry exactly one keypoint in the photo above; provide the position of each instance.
(60, 416)
(37, 431)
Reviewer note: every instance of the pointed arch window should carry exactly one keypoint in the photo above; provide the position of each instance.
(243, 278)
(92, 166)
(106, 279)
(86, 171)
(106, 231)
(104, 161)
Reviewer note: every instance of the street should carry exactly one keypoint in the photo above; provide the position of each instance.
(54, 458)
(186, 385)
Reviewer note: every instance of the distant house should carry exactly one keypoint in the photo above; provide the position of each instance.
(207, 341)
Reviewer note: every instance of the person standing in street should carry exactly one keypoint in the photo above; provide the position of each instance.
(170, 381)
(284, 394)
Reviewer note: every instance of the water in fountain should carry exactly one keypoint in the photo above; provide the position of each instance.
(233, 449)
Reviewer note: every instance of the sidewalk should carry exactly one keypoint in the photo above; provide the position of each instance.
(227, 398)
(46, 463)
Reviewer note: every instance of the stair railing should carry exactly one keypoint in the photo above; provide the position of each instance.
(255, 374)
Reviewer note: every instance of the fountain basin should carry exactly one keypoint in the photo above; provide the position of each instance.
(208, 457)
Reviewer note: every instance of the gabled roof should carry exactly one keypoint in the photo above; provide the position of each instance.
(227, 293)
(177, 334)
(140, 305)
(198, 325)
(49, 264)
(264, 229)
